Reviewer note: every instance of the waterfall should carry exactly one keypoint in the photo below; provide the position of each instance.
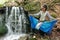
(14, 20)
(24, 20)
(15, 23)
(8, 23)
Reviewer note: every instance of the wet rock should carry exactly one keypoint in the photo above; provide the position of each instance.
(15, 37)
(25, 37)
(2, 10)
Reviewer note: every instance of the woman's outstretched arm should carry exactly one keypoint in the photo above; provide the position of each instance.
(37, 14)
(51, 18)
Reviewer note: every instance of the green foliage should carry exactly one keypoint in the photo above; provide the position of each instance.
(33, 39)
(32, 6)
(1, 5)
(3, 30)
(53, 15)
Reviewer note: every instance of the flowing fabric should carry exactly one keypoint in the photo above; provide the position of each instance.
(46, 26)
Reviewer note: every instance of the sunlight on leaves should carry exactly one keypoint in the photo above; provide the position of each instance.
(3, 1)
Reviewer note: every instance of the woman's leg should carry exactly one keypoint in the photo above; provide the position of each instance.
(38, 25)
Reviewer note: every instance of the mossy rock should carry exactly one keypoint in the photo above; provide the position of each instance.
(3, 30)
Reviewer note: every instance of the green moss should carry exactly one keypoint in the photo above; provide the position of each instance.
(3, 30)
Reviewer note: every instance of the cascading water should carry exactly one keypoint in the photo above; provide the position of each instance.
(16, 23)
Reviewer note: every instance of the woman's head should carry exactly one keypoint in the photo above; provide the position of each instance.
(44, 7)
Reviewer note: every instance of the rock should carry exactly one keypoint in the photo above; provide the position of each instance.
(16, 37)
(2, 10)
(58, 25)
(25, 37)
(11, 3)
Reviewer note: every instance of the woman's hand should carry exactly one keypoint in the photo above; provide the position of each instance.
(57, 18)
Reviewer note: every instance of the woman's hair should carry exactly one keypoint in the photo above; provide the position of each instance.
(45, 6)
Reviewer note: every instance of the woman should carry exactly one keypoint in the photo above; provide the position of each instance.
(43, 14)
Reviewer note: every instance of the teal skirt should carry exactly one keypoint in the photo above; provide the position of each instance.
(46, 26)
